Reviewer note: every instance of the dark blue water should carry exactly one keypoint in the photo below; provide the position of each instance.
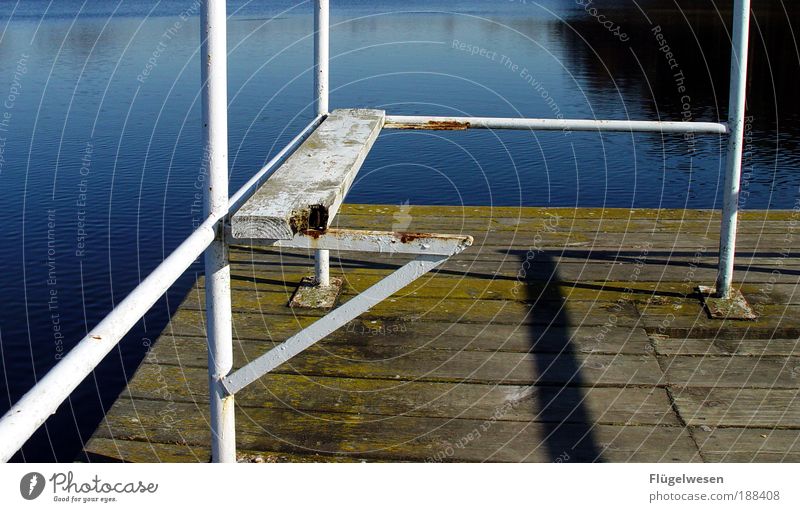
(100, 134)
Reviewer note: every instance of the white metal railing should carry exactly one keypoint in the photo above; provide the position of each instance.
(31, 411)
(593, 125)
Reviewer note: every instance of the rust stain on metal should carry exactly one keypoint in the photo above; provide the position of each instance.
(410, 237)
(95, 337)
(314, 233)
(432, 125)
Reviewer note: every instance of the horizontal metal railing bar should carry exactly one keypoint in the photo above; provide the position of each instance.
(33, 409)
(511, 123)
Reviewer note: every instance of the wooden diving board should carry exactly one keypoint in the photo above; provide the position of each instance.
(308, 189)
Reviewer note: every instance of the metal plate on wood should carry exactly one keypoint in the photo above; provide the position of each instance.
(310, 295)
(734, 307)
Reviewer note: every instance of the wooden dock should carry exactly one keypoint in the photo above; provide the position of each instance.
(561, 335)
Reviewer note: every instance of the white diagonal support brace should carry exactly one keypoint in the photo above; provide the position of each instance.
(334, 320)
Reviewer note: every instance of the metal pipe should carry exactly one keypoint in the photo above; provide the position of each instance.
(31, 411)
(322, 276)
(736, 110)
(321, 55)
(322, 267)
(510, 123)
(219, 327)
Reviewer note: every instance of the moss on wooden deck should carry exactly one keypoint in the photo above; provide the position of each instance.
(562, 334)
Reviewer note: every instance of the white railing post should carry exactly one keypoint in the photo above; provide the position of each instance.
(217, 269)
(321, 57)
(733, 168)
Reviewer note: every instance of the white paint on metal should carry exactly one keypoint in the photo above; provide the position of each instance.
(317, 176)
(332, 321)
(322, 275)
(321, 55)
(736, 110)
(506, 123)
(219, 327)
(387, 242)
(322, 267)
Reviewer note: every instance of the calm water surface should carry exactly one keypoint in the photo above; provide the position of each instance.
(100, 134)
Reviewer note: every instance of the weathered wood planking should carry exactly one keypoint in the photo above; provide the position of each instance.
(457, 366)
(595, 352)
(402, 438)
(734, 407)
(748, 444)
(188, 326)
(307, 190)
(608, 405)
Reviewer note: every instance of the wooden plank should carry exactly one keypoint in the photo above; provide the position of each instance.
(732, 372)
(429, 211)
(404, 438)
(733, 345)
(466, 310)
(718, 407)
(543, 266)
(410, 334)
(529, 310)
(439, 286)
(387, 362)
(691, 321)
(518, 252)
(255, 278)
(100, 449)
(313, 394)
(308, 189)
(748, 445)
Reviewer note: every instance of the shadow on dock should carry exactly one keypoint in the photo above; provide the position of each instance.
(569, 354)
(561, 404)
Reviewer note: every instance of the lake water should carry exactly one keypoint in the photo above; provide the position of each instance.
(100, 134)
